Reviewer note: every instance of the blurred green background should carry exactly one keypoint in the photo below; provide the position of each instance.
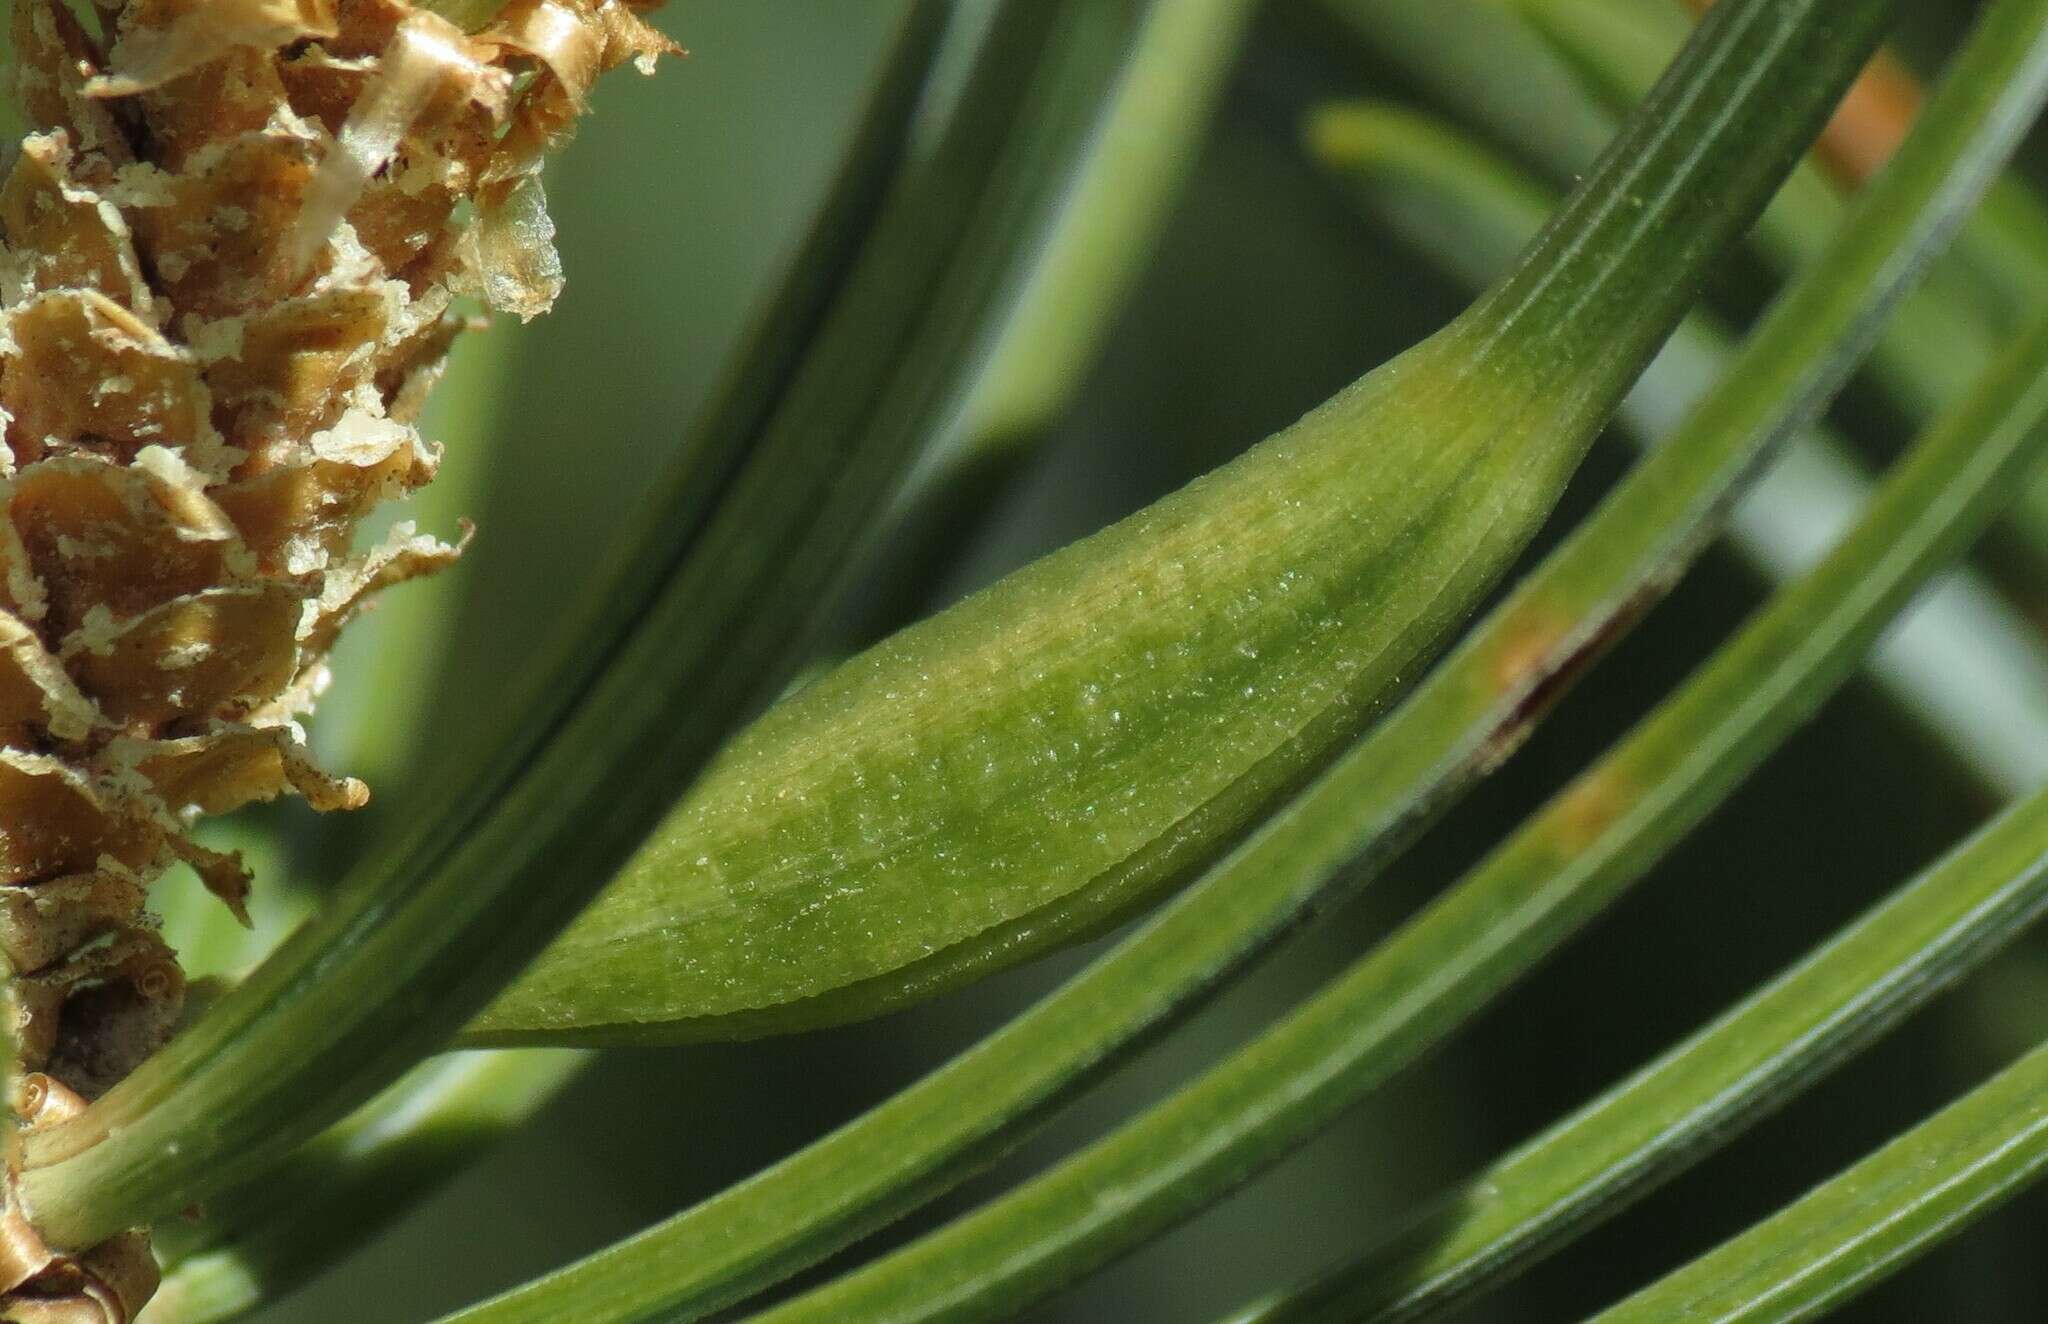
(1266, 292)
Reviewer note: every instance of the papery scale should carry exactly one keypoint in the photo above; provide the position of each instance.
(233, 243)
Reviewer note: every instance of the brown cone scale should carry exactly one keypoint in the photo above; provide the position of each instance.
(233, 252)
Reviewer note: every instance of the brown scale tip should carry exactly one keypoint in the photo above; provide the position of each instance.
(236, 242)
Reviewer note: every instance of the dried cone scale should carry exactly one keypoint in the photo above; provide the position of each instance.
(235, 241)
